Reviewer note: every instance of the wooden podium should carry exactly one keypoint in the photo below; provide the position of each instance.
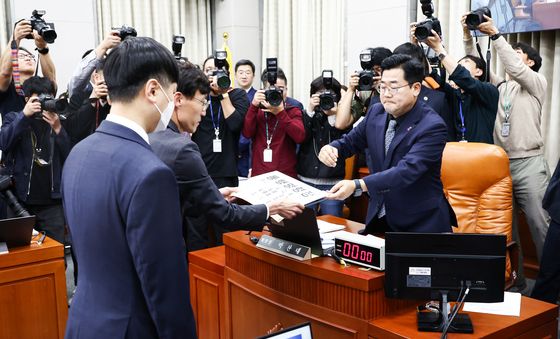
(241, 291)
(33, 300)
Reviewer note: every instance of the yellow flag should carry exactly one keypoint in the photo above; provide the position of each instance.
(229, 58)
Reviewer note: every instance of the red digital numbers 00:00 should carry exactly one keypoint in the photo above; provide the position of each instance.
(354, 251)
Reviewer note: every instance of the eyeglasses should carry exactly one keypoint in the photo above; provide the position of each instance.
(382, 89)
(25, 56)
(204, 102)
(244, 72)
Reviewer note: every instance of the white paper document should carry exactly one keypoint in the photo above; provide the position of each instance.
(326, 227)
(510, 306)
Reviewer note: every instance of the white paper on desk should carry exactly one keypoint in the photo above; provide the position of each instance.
(326, 227)
(3, 248)
(510, 306)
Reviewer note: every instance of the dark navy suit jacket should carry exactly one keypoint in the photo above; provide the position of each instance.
(408, 178)
(551, 201)
(199, 194)
(122, 207)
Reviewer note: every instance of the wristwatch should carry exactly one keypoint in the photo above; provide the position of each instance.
(495, 36)
(43, 50)
(358, 190)
(223, 96)
(441, 56)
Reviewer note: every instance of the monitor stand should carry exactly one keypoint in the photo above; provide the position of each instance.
(436, 322)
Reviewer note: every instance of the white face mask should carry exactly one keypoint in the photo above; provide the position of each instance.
(165, 115)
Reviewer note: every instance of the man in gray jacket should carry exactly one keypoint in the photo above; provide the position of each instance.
(518, 128)
(198, 194)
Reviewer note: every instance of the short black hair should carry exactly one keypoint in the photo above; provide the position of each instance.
(378, 54)
(414, 51)
(211, 57)
(480, 64)
(279, 75)
(191, 79)
(532, 54)
(86, 53)
(25, 50)
(38, 85)
(317, 85)
(245, 62)
(133, 62)
(412, 68)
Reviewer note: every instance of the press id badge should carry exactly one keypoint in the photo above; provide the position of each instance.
(217, 145)
(505, 129)
(267, 155)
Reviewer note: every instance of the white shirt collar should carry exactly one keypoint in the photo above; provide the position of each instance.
(118, 119)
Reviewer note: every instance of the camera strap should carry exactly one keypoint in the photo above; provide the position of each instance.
(488, 58)
(15, 63)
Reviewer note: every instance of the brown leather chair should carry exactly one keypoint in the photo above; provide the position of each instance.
(477, 183)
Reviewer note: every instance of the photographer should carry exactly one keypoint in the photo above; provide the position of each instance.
(36, 147)
(320, 130)
(11, 98)
(518, 127)
(274, 130)
(357, 99)
(474, 102)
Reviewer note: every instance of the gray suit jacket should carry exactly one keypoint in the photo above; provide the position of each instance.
(198, 193)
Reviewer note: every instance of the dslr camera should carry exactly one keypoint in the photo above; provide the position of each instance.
(51, 104)
(327, 99)
(177, 46)
(221, 72)
(365, 83)
(476, 17)
(46, 30)
(424, 28)
(125, 31)
(273, 94)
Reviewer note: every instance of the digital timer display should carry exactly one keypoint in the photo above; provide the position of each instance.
(358, 253)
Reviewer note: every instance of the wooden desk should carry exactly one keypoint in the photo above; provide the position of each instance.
(33, 292)
(537, 320)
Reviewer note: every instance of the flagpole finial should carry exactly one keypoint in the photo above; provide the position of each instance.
(225, 35)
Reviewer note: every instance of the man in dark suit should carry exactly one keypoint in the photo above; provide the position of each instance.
(198, 194)
(547, 286)
(122, 207)
(406, 140)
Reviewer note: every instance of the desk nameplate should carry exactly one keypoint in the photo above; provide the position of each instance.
(283, 247)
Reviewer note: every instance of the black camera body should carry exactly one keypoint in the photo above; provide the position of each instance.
(476, 17)
(51, 104)
(327, 99)
(125, 31)
(44, 29)
(177, 46)
(424, 28)
(273, 95)
(365, 83)
(221, 72)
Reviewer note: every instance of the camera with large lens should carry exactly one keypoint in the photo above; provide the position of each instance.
(476, 17)
(424, 28)
(46, 30)
(177, 46)
(51, 104)
(273, 94)
(125, 31)
(327, 99)
(221, 72)
(365, 83)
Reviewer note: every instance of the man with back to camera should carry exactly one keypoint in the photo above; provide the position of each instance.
(406, 140)
(518, 130)
(122, 207)
(244, 74)
(474, 101)
(198, 193)
(36, 145)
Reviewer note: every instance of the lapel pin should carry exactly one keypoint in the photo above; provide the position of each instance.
(425, 98)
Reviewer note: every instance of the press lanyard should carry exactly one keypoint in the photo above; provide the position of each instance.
(216, 124)
(463, 128)
(269, 140)
(507, 104)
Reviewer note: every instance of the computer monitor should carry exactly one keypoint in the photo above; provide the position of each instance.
(440, 266)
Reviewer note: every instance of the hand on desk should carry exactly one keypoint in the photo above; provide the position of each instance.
(286, 209)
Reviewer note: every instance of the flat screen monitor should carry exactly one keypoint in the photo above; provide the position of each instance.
(420, 265)
(517, 16)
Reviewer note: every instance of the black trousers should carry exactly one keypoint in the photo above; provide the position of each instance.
(201, 233)
(49, 218)
(547, 286)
